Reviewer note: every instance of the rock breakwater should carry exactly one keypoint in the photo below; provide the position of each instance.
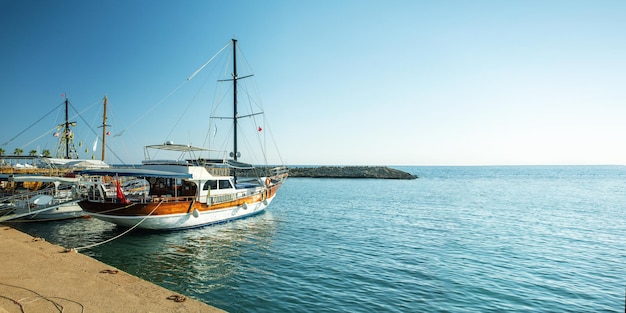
(378, 172)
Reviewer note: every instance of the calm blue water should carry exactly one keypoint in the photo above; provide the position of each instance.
(458, 239)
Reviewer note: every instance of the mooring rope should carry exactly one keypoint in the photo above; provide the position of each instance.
(118, 236)
(121, 208)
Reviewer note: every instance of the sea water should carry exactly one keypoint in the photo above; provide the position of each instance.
(458, 239)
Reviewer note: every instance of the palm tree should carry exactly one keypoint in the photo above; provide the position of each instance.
(46, 153)
(32, 152)
(18, 151)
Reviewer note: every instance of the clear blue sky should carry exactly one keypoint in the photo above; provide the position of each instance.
(343, 82)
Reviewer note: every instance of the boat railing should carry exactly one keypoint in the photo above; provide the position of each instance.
(110, 197)
(218, 171)
(164, 162)
(169, 198)
(221, 198)
(22, 198)
(279, 170)
(25, 195)
(261, 170)
(274, 172)
(211, 199)
(140, 198)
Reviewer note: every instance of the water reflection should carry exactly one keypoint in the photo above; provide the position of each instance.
(69, 233)
(194, 262)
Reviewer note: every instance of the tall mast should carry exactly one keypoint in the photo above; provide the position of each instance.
(67, 130)
(235, 98)
(104, 127)
(66, 148)
(235, 153)
(235, 107)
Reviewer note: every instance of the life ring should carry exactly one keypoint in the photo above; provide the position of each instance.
(267, 182)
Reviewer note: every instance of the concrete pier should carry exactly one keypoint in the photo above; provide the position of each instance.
(37, 276)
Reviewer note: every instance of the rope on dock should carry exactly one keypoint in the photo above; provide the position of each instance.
(19, 302)
(116, 237)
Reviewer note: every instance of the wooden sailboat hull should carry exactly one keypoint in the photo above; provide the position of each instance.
(177, 213)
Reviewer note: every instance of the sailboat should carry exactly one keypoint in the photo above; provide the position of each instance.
(187, 192)
(58, 202)
(67, 155)
(59, 198)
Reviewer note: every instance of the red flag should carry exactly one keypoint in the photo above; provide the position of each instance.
(120, 193)
(260, 129)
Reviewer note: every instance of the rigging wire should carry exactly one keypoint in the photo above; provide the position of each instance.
(209, 61)
(265, 123)
(149, 110)
(40, 136)
(39, 120)
(170, 94)
(255, 123)
(186, 108)
(249, 90)
(112, 117)
(78, 114)
(93, 130)
(219, 96)
(252, 93)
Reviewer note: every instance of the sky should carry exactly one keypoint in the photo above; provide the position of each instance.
(349, 82)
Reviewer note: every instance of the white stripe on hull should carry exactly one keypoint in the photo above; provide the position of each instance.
(61, 215)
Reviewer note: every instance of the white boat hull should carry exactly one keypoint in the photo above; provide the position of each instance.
(67, 210)
(187, 220)
(62, 212)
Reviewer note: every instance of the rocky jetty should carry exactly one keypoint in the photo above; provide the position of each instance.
(378, 172)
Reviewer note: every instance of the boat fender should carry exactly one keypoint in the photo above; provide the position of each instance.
(267, 182)
(196, 213)
(244, 206)
(265, 202)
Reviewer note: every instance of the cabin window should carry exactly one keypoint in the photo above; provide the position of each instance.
(210, 184)
(225, 184)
